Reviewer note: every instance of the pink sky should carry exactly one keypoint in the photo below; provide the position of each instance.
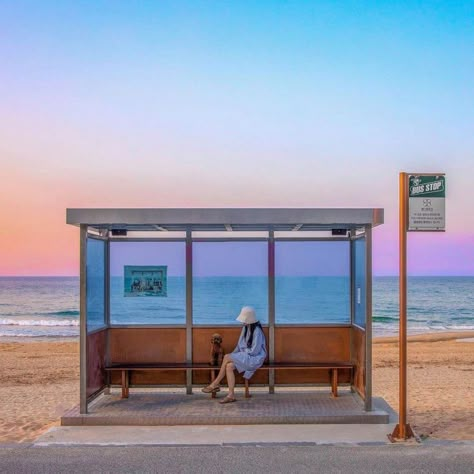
(35, 239)
(232, 105)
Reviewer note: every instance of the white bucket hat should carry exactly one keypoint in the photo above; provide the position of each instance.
(247, 315)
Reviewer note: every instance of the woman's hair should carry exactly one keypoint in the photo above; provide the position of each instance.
(252, 329)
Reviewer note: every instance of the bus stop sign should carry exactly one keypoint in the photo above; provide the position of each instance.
(426, 202)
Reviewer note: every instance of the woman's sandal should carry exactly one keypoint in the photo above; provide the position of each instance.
(211, 389)
(227, 399)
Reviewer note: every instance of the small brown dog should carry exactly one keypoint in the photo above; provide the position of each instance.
(217, 352)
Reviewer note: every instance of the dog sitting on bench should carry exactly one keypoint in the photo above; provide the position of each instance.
(217, 352)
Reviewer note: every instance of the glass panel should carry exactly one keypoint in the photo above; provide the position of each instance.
(227, 276)
(312, 282)
(95, 284)
(148, 263)
(359, 282)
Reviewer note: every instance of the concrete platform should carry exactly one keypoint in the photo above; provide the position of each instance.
(166, 409)
(225, 435)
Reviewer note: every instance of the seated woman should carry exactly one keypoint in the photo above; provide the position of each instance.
(247, 357)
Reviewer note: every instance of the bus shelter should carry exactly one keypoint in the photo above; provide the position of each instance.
(155, 284)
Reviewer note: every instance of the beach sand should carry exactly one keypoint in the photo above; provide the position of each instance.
(440, 382)
(40, 380)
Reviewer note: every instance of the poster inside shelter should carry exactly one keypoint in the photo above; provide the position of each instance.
(145, 280)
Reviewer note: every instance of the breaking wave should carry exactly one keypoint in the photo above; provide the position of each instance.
(63, 313)
(38, 322)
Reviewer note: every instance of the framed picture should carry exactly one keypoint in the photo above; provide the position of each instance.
(145, 280)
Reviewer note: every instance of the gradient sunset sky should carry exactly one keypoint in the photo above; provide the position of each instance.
(233, 104)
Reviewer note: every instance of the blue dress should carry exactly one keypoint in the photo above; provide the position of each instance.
(249, 359)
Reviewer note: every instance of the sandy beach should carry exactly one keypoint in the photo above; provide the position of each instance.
(440, 382)
(40, 380)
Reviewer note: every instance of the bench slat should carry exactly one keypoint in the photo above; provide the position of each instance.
(274, 366)
(336, 365)
(161, 367)
(127, 368)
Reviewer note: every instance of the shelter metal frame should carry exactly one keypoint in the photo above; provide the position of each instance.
(99, 224)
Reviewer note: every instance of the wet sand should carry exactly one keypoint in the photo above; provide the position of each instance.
(40, 380)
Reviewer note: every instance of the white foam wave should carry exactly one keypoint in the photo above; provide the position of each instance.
(38, 322)
(383, 329)
(467, 327)
(28, 336)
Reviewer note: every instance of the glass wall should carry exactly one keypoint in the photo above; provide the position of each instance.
(359, 282)
(147, 283)
(227, 276)
(312, 282)
(95, 274)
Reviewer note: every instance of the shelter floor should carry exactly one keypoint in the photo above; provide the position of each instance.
(153, 407)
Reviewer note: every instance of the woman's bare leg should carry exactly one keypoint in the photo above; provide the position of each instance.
(230, 367)
(222, 372)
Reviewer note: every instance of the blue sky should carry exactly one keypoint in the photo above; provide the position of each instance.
(233, 104)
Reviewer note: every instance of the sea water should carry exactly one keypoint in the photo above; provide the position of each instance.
(49, 306)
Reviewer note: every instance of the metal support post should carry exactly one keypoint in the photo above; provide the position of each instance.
(271, 309)
(83, 320)
(403, 430)
(189, 310)
(368, 318)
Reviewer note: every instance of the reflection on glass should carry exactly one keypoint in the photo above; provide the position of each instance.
(227, 276)
(359, 282)
(95, 284)
(169, 309)
(312, 282)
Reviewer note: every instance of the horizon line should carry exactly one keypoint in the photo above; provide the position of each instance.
(374, 275)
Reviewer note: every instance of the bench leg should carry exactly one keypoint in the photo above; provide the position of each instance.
(107, 380)
(334, 383)
(271, 381)
(213, 376)
(127, 379)
(247, 391)
(124, 383)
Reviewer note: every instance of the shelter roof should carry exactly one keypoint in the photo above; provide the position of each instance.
(230, 219)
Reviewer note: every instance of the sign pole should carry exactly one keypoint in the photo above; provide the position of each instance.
(421, 208)
(403, 430)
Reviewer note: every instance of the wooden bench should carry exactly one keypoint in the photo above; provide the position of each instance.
(126, 369)
(333, 367)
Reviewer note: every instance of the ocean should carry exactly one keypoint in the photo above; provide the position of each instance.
(32, 307)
